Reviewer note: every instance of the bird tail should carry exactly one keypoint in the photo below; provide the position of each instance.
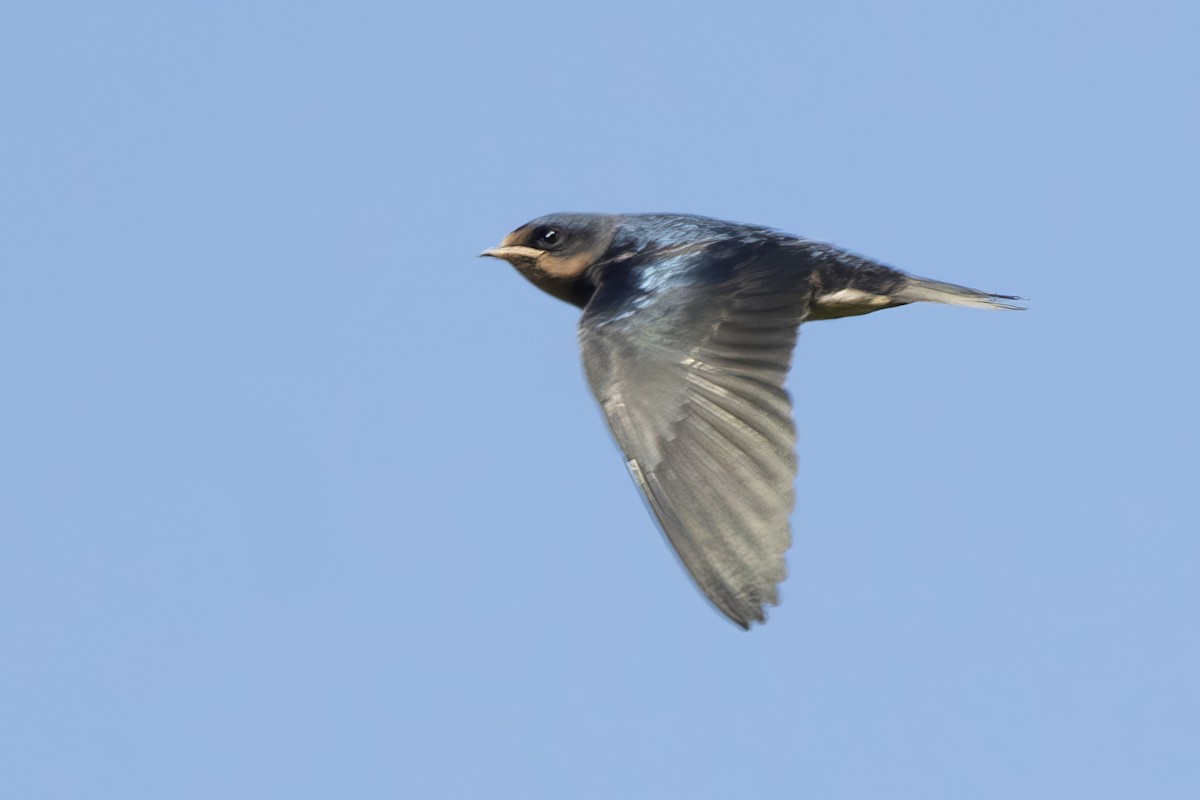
(930, 291)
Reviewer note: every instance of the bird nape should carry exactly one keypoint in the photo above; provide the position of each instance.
(687, 334)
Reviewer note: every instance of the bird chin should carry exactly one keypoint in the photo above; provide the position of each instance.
(570, 290)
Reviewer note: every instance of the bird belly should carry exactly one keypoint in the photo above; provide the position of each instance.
(848, 303)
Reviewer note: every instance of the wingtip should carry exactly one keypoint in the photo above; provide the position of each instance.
(746, 617)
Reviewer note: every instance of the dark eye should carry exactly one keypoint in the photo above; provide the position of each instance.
(548, 238)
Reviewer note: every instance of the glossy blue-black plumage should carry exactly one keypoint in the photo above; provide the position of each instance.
(687, 334)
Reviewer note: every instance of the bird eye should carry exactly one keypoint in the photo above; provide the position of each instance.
(547, 238)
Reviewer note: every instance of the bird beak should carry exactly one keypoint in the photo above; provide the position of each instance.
(509, 252)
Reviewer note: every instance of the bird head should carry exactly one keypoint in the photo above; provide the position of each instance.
(554, 252)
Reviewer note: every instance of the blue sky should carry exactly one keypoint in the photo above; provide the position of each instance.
(299, 498)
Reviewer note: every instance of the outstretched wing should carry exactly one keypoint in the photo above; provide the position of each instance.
(687, 352)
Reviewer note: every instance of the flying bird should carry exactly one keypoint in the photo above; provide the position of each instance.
(687, 334)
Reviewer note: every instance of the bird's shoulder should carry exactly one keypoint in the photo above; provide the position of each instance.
(688, 278)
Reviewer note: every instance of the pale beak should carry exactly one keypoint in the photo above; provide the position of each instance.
(508, 252)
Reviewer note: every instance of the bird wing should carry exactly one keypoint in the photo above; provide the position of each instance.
(687, 354)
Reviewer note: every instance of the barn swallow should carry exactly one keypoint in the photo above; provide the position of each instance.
(687, 334)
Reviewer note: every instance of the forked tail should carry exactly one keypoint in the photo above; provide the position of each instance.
(930, 291)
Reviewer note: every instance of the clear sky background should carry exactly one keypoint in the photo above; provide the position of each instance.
(301, 499)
